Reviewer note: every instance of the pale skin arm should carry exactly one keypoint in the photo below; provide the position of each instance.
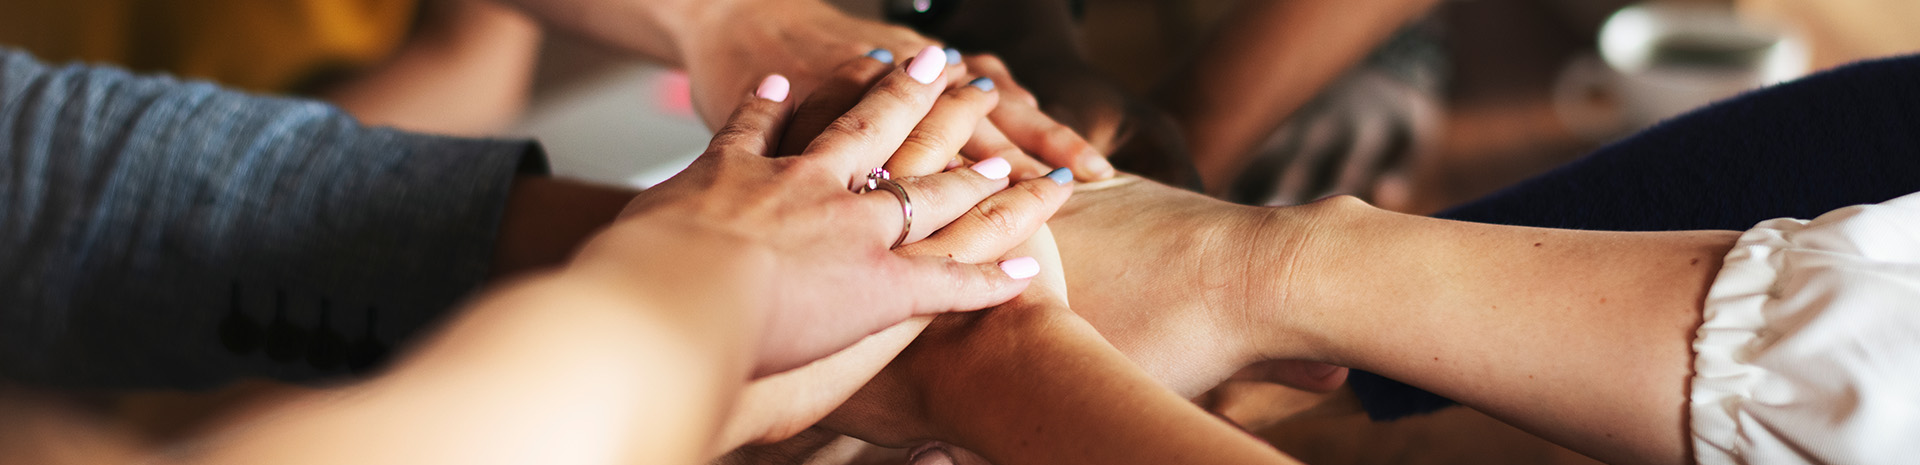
(1582, 337)
(1265, 60)
(466, 70)
(563, 368)
(1030, 382)
(1065, 396)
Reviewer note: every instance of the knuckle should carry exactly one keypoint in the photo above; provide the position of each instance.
(928, 191)
(1003, 220)
(927, 144)
(733, 138)
(998, 218)
(852, 125)
(805, 170)
(897, 90)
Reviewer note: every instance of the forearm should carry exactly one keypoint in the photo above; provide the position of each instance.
(1582, 337)
(1265, 60)
(467, 70)
(562, 368)
(1068, 397)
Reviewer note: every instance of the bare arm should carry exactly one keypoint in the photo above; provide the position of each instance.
(559, 369)
(467, 70)
(1032, 383)
(1265, 60)
(1582, 337)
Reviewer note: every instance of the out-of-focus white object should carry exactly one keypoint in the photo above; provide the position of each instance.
(1809, 350)
(1664, 59)
(627, 125)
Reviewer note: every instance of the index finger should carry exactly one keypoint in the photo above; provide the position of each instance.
(863, 138)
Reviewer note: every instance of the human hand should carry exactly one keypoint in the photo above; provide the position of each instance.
(896, 408)
(779, 406)
(809, 41)
(799, 249)
(1031, 382)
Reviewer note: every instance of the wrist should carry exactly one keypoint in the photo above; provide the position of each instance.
(1291, 286)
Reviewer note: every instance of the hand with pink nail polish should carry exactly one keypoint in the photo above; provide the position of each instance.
(809, 256)
(968, 213)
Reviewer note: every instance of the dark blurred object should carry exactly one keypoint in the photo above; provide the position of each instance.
(1038, 40)
(923, 14)
(275, 46)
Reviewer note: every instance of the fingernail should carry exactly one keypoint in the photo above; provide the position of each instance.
(931, 456)
(984, 84)
(1021, 268)
(927, 65)
(1095, 164)
(881, 54)
(774, 88)
(1061, 176)
(953, 56)
(993, 168)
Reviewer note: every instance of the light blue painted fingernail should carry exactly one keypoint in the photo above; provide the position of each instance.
(953, 56)
(881, 54)
(984, 84)
(1061, 176)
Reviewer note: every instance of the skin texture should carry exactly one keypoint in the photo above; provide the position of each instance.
(1031, 382)
(1581, 337)
(777, 407)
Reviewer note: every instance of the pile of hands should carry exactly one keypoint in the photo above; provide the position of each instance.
(849, 343)
(847, 339)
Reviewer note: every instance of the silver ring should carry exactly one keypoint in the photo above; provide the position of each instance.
(880, 179)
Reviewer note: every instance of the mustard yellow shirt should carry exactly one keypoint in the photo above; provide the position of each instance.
(258, 45)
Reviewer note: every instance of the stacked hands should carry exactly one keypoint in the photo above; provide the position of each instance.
(770, 206)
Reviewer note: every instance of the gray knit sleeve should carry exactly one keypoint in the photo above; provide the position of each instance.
(158, 233)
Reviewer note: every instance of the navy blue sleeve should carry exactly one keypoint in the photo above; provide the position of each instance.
(158, 233)
(1845, 137)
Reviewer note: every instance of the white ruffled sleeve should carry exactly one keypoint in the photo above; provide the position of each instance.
(1810, 349)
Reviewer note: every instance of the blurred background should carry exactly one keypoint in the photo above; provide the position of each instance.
(1492, 91)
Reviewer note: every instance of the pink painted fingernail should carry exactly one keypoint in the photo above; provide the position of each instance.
(1021, 268)
(775, 88)
(993, 168)
(928, 64)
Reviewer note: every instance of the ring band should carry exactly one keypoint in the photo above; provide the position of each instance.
(880, 179)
